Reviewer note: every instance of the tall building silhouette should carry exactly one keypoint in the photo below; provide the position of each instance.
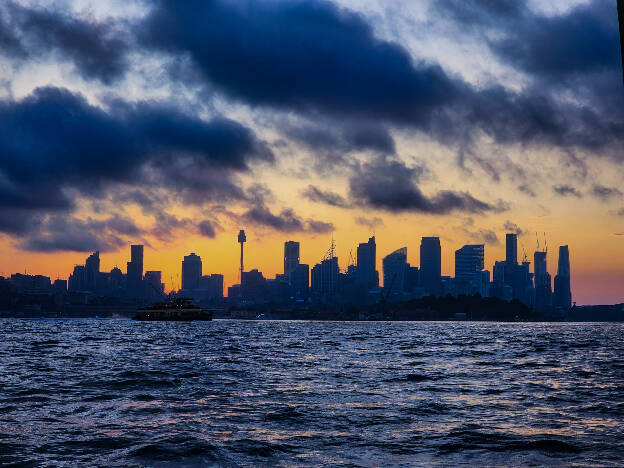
(511, 244)
(325, 281)
(395, 271)
(543, 287)
(563, 294)
(300, 282)
(291, 256)
(191, 271)
(469, 260)
(154, 284)
(134, 277)
(431, 265)
(366, 272)
(92, 271)
(469, 263)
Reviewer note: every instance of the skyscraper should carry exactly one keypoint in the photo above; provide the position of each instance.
(153, 281)
(563, 294)
(325, 280)
(191, 271)
(291, 256)
(134, 277)
(469, 261)
(543, 289)
(512, 249)
(431, 265)
(394, 271)
(469, 264)
(366, 272)
(300, 281)
(92, 271)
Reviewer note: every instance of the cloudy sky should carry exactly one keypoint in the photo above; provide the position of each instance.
(174, 124)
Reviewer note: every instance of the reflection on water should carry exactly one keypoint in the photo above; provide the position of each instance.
(115, 392)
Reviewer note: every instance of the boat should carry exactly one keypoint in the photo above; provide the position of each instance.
(174, 310)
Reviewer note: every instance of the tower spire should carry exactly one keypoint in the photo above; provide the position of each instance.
(241, 240)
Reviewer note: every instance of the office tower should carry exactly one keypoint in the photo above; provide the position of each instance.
(498, 273)
(191, 271)
(412, 278)
(291, 257)
(92, 271)
(522, 284)
(469, 264)
(153, 280)
(211, 286)
(254, 286)
(512, 249)
(431, 265)
(216, 286)
(543, 289)
(469, 261)
(136, 257)
(134, 277)
(77, 280)
(366, 272)
(394, 271)
(59, 286)
(563, 295)
(325, 281)
(117, 280)
(300, 282)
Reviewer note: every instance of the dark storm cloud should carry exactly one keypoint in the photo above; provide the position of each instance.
(309, 56)
(98, 50)
(327, 197)
(370, 223)
(54, 139)
(567, 190)
(319, 227)
(391, 186)
(286, 221)
(166, 224)
(513, 228)
(605, 193)
(67, 233)
(344, 137)
(335, 66)
(207, 229)
(148, 200)
(486, 236)
(583, 40)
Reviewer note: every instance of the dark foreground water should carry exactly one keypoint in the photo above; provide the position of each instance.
(117, 393)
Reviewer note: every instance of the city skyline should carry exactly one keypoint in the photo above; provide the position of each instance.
(126, 126)
(471, 275)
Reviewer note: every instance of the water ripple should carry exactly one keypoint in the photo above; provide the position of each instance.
(236, 393)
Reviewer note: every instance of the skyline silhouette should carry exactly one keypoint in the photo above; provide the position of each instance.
(326, 282)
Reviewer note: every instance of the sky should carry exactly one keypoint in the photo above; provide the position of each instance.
(175, 124)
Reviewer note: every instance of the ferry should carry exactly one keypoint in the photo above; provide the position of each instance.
(175, 310)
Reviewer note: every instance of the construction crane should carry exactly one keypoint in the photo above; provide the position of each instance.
(331, 252)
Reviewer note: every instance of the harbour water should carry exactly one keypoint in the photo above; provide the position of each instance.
(241, 393)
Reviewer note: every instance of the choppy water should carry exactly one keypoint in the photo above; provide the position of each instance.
(116, 393)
